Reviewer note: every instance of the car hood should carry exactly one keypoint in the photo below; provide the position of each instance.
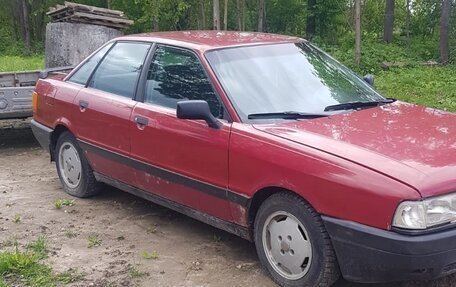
(413, 144)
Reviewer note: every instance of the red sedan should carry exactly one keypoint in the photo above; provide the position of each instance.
(267, 137)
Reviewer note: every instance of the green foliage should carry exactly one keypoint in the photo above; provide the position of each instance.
(428, 86)
(24, 268)
(150, 255)
(39, 247)
(334, 24)
(59, 203)
(135, 273)
(19, 63)
(375, 52)
(93, 241)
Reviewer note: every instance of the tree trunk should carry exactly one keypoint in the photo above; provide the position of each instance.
(389, 21)
(261, 5)
(109, 4)
(311, 21)
(407, 20)
(444, 31)
(203, 15)
(225, 16)
(216, 18)
(357, 32)
(155, 25)
(243, 14)
(25, 24)
(239, 14)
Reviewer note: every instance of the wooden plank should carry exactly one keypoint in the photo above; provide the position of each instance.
(74, 19)
(98, 22)
(103, 18)
(56, 9)
(74, 12)
(61, 14)
(77, 9)
(93, 8)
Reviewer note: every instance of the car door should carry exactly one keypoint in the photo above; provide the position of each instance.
(104, 109)
(185, 160)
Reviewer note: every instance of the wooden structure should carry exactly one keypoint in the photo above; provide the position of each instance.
(79, 13)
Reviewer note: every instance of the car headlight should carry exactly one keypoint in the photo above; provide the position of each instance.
(427, 213)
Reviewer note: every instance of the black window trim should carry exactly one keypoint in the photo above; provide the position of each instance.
(68, 78)
(143, 78)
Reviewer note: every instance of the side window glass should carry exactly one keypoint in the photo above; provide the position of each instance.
(119, 71)
(175, 75)
(81, 76)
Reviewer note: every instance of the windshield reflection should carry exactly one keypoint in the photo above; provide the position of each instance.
(286, 77)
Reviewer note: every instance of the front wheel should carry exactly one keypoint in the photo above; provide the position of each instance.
(73, 169)
(292, 243)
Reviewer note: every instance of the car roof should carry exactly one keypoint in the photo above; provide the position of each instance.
(209, 40)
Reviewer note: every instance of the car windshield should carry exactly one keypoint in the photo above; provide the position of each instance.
(280, 78)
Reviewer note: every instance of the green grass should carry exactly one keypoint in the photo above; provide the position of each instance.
(39, 247)
(93, 241)
(59, 203)
(154, 255)
(136, 273)
(17, 63)
(428, 86)
(24, 268)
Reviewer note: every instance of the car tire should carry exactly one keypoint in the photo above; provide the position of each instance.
(73, 169)
(292, 243)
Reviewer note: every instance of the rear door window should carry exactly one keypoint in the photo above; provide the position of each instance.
(82, 75)
(119, 71)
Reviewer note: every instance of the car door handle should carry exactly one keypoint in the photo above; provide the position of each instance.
(83, 105)
(141, 121)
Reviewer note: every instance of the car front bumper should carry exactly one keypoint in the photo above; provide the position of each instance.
(42, 134)
(372, 255)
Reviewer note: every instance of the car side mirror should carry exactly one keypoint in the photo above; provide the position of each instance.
(369, 79)
(197, 110)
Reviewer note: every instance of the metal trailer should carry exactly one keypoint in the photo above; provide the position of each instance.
(16, 93)
(16, 90)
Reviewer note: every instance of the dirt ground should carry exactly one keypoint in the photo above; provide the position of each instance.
(140, 244)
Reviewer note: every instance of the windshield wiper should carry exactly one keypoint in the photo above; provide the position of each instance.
(357, 105)
(286, 115)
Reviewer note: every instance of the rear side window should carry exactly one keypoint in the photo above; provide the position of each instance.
(82, 75)
(119, 71)
(175, 75)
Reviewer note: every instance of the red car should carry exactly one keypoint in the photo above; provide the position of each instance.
(267, 137)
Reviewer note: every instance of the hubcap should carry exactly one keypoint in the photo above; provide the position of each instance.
(70, 165)
(287, 245)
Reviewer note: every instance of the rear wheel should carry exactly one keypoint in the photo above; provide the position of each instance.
(292, 243)
(73, 169)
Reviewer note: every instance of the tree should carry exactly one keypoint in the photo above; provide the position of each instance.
(357, 32)
(389, 21)
(216, 17)
(261, 13)
(203, 14)
(239, 15)
(25, 23)
(225, 16)
(409, 15)
(311, 21)
(444, 31)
